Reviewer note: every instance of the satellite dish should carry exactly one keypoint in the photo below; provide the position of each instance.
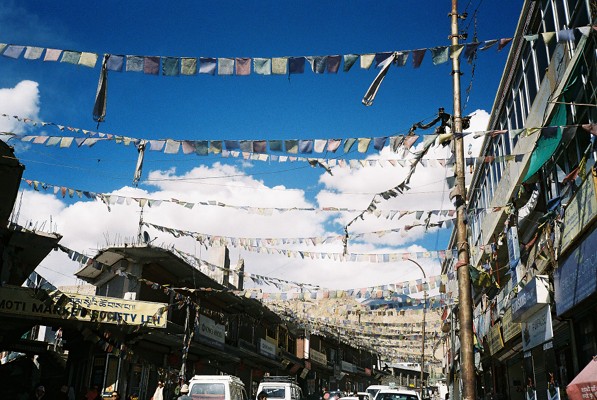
(146, 237)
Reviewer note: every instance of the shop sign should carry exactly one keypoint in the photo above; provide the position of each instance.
(510, 328)
(267, 349)
(530, 298)
(318, 357)
(72, 306)
(304, 373)
(576, 278)
(348, 367)
(494, 339)
(579, 212)
(537, 329)
(209, 329)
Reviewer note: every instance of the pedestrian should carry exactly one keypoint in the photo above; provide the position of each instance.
(58, 339)
(262, 395)
(184, 393)
(93, 393)
(39, 393)
(63, 393)
(115, 395)
(159, 391)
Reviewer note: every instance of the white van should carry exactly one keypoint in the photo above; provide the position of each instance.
(280, 388)
(217, 387)
(373, 389)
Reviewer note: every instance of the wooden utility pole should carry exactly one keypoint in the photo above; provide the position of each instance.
(465, 309)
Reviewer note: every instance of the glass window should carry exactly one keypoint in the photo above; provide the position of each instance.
(275, 392)
(561, 16)
(524, 105)
(586, 339)
(512, 123)
(530, 77)
(549, 24)
(541, 59)
(579, 13)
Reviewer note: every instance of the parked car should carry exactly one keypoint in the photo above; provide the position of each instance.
(373, 389)
(358, 396)
(335, 395)
(217, 387)
(364, 396)
(397, 394)
(280, 388)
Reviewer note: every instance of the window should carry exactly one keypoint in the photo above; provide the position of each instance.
(209, 391)
(275, 392)
(561, 14)
(272, 332)
(511, 119)
(549, 24)
(578, 10)
(519, 116)
(529, 74)
(541, 59)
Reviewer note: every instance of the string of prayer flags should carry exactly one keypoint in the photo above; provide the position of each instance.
(254, 149)
(112, 199)
(337, 257)
(241, 66)
(181, 299)
(314, 291)
(213, 240)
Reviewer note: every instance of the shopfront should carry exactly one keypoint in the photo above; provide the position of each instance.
(533, 310)
(575, 288)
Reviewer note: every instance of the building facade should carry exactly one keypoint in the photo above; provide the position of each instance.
(531, 212)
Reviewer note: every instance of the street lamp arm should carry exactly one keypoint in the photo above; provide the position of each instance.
(418, 265)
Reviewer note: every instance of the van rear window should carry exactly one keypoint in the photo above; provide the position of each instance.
(208, 391)
(275, 392)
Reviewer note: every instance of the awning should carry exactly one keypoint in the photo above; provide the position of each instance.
(547, 143)
(584, 385)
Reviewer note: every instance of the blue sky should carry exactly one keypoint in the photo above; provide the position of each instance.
(205, 107)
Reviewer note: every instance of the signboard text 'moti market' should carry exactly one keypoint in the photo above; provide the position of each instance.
(47, 304)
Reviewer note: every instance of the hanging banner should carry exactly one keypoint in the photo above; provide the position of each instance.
(513, 252)
(579, 213)
(511, 329)
(575, 279)
(494, 339)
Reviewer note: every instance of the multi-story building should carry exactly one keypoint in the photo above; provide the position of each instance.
(531, 211)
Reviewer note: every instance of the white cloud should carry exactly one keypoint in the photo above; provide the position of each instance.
(87, 226)
(22, 100)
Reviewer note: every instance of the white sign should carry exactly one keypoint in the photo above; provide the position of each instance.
(209, 329)
(537, 329)
(267, 348)
(531, 298)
